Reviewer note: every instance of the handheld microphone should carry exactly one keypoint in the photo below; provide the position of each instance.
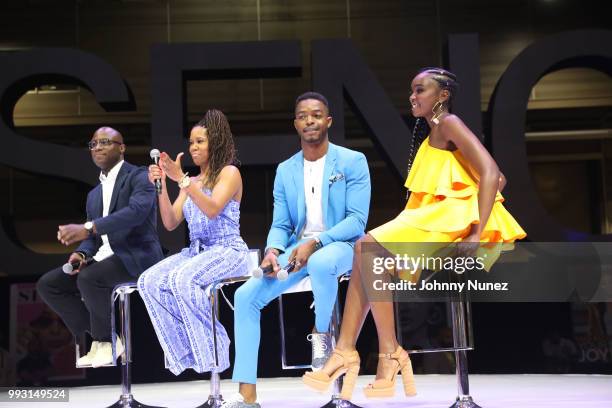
(154, 154)
(69, 267)
(282, 275)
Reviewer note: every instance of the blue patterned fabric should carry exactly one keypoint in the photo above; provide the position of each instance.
(174, 295)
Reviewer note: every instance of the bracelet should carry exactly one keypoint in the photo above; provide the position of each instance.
(185, 181)
(276, 253)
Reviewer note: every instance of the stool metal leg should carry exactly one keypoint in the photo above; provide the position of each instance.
(126, 400)
(215, 399)
(336, 401)
(281, 318)
(340, 403)
(464, 400)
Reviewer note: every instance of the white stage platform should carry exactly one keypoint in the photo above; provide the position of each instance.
(489, 391)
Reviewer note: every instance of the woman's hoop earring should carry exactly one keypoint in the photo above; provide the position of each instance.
(437, 110)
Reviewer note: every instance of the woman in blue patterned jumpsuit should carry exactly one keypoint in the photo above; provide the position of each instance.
(173, 290)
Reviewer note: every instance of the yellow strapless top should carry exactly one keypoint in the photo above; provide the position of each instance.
(444, 197)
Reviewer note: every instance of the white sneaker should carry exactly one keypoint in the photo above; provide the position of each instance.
(87, 358)
(321, 349)
(104, 354)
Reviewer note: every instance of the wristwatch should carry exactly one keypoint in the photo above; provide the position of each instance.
(89, 226)
(318, 243)
(185, 181)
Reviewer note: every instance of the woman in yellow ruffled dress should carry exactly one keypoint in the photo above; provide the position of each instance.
(454, 188)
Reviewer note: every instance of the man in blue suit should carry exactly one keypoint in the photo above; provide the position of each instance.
(118, 242)
(321, 204)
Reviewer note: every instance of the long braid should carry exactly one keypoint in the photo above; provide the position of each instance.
(419, 133)
(221, 150)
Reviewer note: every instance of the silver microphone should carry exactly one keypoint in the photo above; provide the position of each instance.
(259, 272)
(68, 267)
(282, 275)
(154, 154)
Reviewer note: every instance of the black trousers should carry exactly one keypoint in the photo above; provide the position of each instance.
(83, 300)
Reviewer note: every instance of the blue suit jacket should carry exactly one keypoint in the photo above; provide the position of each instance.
(345, 198)
(131, 223)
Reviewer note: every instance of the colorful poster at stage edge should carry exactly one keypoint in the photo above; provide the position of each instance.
(41, 345)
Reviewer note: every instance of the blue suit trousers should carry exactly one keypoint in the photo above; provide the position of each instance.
(323, 267)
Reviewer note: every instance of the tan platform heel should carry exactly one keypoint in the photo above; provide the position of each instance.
(319, 381)
(386, 387)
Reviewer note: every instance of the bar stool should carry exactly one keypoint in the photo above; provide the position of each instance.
(122, 292)
(461, 312)
(463, 341)
(305, 286)
(215, 399)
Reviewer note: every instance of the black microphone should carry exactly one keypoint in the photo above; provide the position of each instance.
(69, 267)
(155, 157)
(282, 275)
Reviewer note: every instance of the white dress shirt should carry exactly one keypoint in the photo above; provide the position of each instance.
(313, 183)
(108, 184)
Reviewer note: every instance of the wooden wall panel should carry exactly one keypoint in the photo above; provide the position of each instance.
(395, 38)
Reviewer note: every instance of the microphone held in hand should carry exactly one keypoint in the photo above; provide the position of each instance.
(155, 157)
(70, 267)
(282, 275)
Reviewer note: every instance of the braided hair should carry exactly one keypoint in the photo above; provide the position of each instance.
(221, 150)
(446, 80)
(419, 133)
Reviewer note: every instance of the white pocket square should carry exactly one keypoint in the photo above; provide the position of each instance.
(335, 177)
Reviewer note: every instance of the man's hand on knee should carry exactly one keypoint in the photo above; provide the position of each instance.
(301, 253)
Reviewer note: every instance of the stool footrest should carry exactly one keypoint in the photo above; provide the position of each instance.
(340, 403)
(128, 401)
(465, 402)
(213, 402)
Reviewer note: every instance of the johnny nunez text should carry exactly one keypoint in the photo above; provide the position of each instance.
(434, 285)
